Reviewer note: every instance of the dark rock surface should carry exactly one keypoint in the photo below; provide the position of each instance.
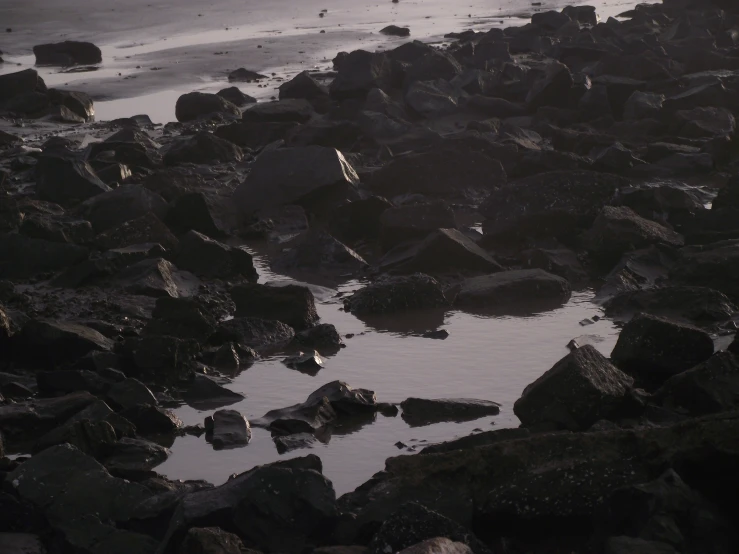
(290, 304)
(397, 294)
(421, 411)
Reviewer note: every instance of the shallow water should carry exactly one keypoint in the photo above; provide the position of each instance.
(490, 358)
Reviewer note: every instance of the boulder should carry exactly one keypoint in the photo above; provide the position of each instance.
(704, 123)
(512, 290)
(209, 258)
(414, 222)
(205, 392)
(236, 97)
(255, 333)
(67, 53)
(342, 135)
(21, 543)
(227, 429)
(318, 251)
(23, 257)
(290, 110)
(395, 31)
(304, 86)
(78, 102)
(420, 411)
(552, 89)
(360, 72)
(728, 195)
(197, 211)
(147, 229)
(397, 294)
(20, 83)
(495, 107)
(655, 348)
(244, 75)
(431, 66)
(582, 14)
(151, 277)
(295, 175)
(432, 99)
(450, 250)
(550, 20)
(129, 393)
(642, 105)
(151, 420)
(70, 380)
(184, 318)
(255, 136)
(700, 304)
(194, 105)
(577, 391)
(709, 266)
(112, 209)
(358, 220)
(210, 540)
(291, 304)
(21, 419)
(558, 261)
(94, 437)
(323, 337)
(203, 148)
(66, 181)
(134, 456)
(57, 342)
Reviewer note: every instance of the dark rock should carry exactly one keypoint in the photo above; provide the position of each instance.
(162, 358)
(303, 86)
(323, 337)
(21, 543)
(40, 415)
(728, 195)
(255, 333)
(397, 294)
(23, 257)
(438, 544)
(151, 420)
(70, 380)
(655, 348)
(199, 212)
(550, 20)
(552, 89)
(57, 342)
(129, 393)
(149, 278)
(199, 104)
(34, 105)
(134, 456)
(709, 266)
(204, 392)
(395, 31)
(414, 222)
(185, 318)
(66, 181)
(227, 429)
(633, 545)
(642, 105)
(210, 258)
(318, 251)
(291, 304)
(245, 75)
(38, 226)
(495, 107)
(432, 99)
(290, 110)
(127, 202)
(418, 411)
(20, 83)
(360, 72)
(236, 97)
(704, 123)
(255, 135)
(203, 148)
(342, 135)
(294, 175)
(582, 14)
(94, 438)
(173, 182)
(700, 304)
(296, 441)
(211, 540)
(67, 53)
(579, 390)
(478, 439)
(432, 66)
(147, 229)
(309, 362)
(358, 220)
(558, 261)
(78, 103)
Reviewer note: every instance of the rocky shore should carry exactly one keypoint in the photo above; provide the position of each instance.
(495, 176)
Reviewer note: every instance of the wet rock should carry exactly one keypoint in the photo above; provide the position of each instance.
(516, 289)
(149, 278)
(94, 438)
(133, 456)
(296, 441)
(318, 251)
(358, 220)
(255, 333)
(210, 258)
(431, 66)
(185, 318)
(656, 348)
(728, 195)
(310, 362)
(244, 75)
(66, 181)
(478, 439)
(699, 304)
(77, 102)
(342, 135)
(705, 123)
(418, 411)
(57, 342)
(414, 523)
(406, 223)
(291, 304)
(709, 266)
(290, 110)
(579, 390)
(323, 337)
(552, 89)
(152, 420)
(495, 107)
(204, 392)
(40, 415)
(292, 175)
(194, 105)
(395, 31)
(112, 209)
(203, 148)
(38, 226)
(70, 380)
(616, 159)
(641, 105)
(210, 540)
(304, 86)
(130, 393)
(20, 83)
(162, 358)
(397, 294)
(360, 72)
(23, 257)
(236, 97)
(255, 136)
(558, 261)
(199, 212)
(147, 229)
(67, 53)
(227, 358)
(710, 387)
(227, 429)
(432, 99)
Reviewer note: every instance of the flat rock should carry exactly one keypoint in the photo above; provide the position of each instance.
(204, 392)
(227, 429)
(58, 342)
(318, 251)
(244, 75)
(291, 304)
(419, 411)
(67, 53)
(207, 257)
(395, 31)
(289, 110)
(149, 278)
(698, 304)
(134, 455)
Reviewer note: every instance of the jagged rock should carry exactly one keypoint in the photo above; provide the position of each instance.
(633, 545)
(582, 14)
(70, 380)
(342, 135)
(147, 229)
(255, 136)
(94, 438)
(66, 181)
(558, 261)
(683, 302)
(515, 289)
(40, 415)
(23, 257)
(291, 175)
(705, 123)
(210, 258)
(419, 411)
(397, 294)
(112, 209)
(196, 211)
(360, 72)
(78, 103)
(579, 390)
(291, 304)
(194, 105)
(149, 278)
(151, 420)
(296, 441)
(227, 429)
(552, 89)
(358, 220)
(204, 392)
(57, 342)
(709, 266)
(211, 540)
(255, 333)
(728, 195)
(655, 348)
(203, 148)
(162, 357)
(318, 251)
(184, 318)
(405, 223)
(21, 543)
(438, 545)
(432, 99)
(642, 105)
(495, 107)
(67, 53)
(303, 86)
(130, 393)
(236, 97)
(290, 110)
(309, 362)
(20, 83)
(134, 455)
(323, 337)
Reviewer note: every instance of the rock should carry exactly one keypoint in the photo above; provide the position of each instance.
(558, 261)
(245, 76)
(94, 438)
(23, 257)
(255, 333)
(70, 380)
(358, 220)
(655, 348)
(432, 66)
(699, 304)
(227, 429)
(342, 135)
(78, 103)
(710, 387)
(147, 229)
(296, 441)
(66, 181)
(447, 170)
(360, 72)
(309, 362)
(20, 83)
(397, 294)
(618, 230)
(582, 14)
(112, 209)
(495, 107)
(291, 304)
(21, 543)
(40, 415)
(418, 411)
(133, 456)
(413, 222)
(438, 545)
(57, 342)
(185, 318)
(130, 393)
(210, 540)
(728, 195)
(204, 392)
(616, 159)
(432, 99)
(704, 123)
(395, 31)
(291, 175)
(448, 249)
(255, 136)
(633, 545)
(290, 110)
(318, 251)
(552, 89)
(709, 266)
(272, 508)
(194, 105)
(203, 148)
(162, 358)
(582, 388)
(413, 523)
(67, 53)
(198, 212)
(304, 86)
(550, 20)
(642, 105)
(550, 204)
(152, 420)
(210, 258)
(323, 337)
(236, 97)
(149, 278)
(520, 289)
